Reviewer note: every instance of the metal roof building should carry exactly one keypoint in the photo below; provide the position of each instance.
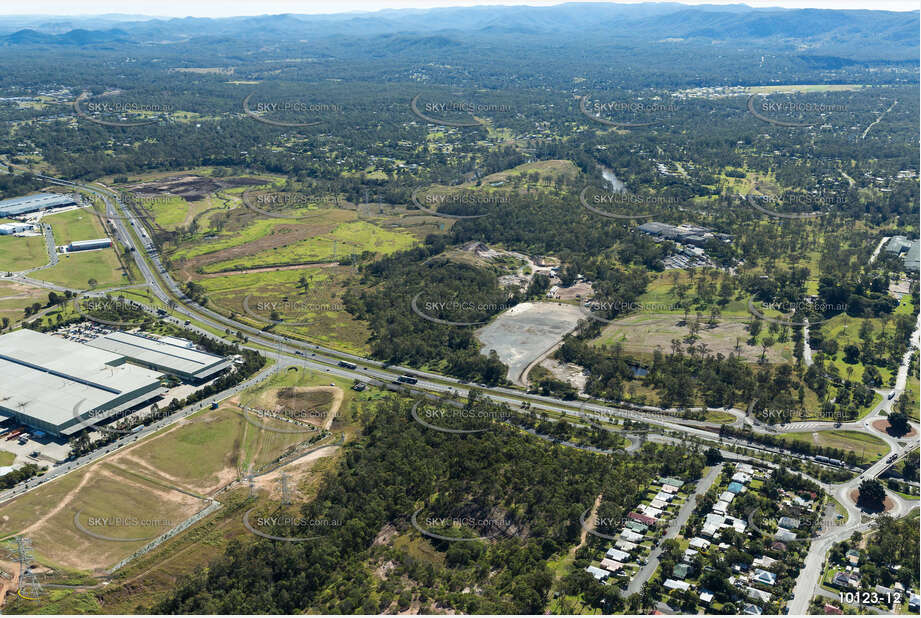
(61, 386)
(84, 245)
(32, 203)
(912, 258)
(910, 251)
(14, 228)
(897, 244)
(186, 363)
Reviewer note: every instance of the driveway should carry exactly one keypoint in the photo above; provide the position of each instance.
(684, 513)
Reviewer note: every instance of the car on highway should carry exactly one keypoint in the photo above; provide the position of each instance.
(891, 394)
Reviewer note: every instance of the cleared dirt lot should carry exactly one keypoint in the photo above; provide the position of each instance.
(526, 332)
(566, 372)
(191, 188)
(316, 405)
(298, 471)
(109, 501)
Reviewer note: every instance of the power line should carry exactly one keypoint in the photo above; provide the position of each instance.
(285, 490)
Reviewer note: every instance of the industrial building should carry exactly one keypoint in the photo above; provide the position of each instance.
(86, 245)
(912, 257)
(60, 387)
(909, 251)
(34, 203)
(170, 356)
(7, 229)
(897, 245)
(688, 234)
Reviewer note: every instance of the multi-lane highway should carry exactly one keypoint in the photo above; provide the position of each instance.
(288, 351)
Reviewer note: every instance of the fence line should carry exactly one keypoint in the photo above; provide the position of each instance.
(212, 506)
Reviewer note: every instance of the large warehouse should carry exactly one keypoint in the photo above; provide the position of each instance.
(164, 355)
(61, 386)
(33, 203)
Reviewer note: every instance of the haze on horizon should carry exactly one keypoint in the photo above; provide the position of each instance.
(234, 8)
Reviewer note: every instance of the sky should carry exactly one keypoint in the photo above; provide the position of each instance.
(228, 8)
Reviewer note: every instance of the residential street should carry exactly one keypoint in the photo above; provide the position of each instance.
(674, 526)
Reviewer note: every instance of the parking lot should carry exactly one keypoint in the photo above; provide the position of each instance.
(82, 331)
(30, 448)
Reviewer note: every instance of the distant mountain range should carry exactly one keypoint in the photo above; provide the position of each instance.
(854, 30)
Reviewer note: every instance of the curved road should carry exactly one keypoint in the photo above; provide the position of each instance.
(323, 359)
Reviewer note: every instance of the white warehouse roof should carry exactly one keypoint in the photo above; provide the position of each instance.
(46, 378)
(162, 354)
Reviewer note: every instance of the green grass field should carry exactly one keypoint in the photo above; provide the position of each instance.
(715, 416)
(867, 448)
(655, 322)
(321, 306)
(845, 330)
(76, 269)
(250, 233)
(6, 458)
(349, 238)
(169, 212)
(79, 224)
(215, 447)
(196, 453)
(21, 253)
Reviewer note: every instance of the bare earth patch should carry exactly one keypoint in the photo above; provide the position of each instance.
(64, 544)
(566, 372)
(316, 405)
(882, 425)
(888, 505)
(526, 332)
(296, 471)
(282, 235)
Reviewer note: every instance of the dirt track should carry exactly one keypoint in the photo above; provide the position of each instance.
(247, 271)
(296, 470)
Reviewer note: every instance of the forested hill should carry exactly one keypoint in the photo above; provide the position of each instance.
(871, 35)
(537, 490)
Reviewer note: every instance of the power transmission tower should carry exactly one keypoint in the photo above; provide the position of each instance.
(285, 491)
(29, 587)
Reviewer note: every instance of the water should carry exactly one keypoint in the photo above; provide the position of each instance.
(616, 185)
(638, 372)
